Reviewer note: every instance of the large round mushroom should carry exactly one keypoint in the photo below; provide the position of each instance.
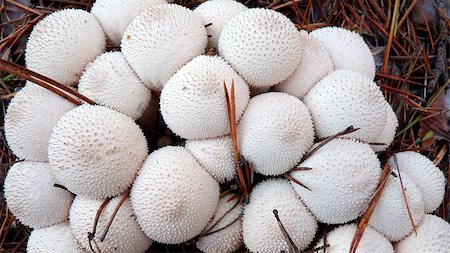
(55, 239)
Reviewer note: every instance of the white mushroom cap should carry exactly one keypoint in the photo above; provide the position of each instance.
(54, 239)
(427, 177)
(149, 42)
(193, 102)
(275, 132)
(216, 156)
(260, 228)
(96, 151)
(340, 240)
(387, 135)
(228, 239)
(63, 43)
(124, 235)
(315, 63)
(173, 197)
(390, 217)
(217, 13)
(347, 50)
(110, 82)
(29, 120)
(115, 15)
(343, 177)
(344, 98)
(32, 197)
(432, 236)
(263, 45)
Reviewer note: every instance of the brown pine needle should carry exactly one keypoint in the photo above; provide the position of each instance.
(292, 247)
(111, 219)
(289, 177)
(91, 236)
(207, 232)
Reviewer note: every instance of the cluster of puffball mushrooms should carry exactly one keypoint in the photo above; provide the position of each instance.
(290, 89)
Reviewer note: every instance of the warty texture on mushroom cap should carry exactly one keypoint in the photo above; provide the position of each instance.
(387, 135)
(55, 239)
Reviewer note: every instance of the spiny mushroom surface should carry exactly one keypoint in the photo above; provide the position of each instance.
(225, 228)
(432, 236)
(32, 197)
(173, 197)
(29, 120)
(427, 177)
(150, 48)
(387, 135)
(347, 98)
(110, 82)
(275, 132)
(263, 46)
(115, 15)
(347, 50)
(55, 239)
(124, 234)
(315, 63)
(390, 217)
(341, 177)
(96, 151)
(63, 43)
(193, 102)
(217, 13)
(260, 227)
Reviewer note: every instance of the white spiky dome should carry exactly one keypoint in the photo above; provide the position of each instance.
(55, 239)
(387, 135)
(263, 46)
(340, 240)
(217, 13)
(342, 178)
(315, 64)
(432, 236)
(193, 102)
(150, 48)
(110, 82)
(390, 217)
(32, 197)
(115, 15)
(227, 222)
(275, 132)
(216, 156)
(344, 98)
(29, 120)
(96, 151)
(173, 197)
(347, 50)
(427, 177)
(260, 228)
(124, 234)
(63, 43)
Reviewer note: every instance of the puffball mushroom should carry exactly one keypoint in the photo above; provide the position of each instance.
(315, 64)
(217, 13)
(390, 217)
(340, 240)
(124, 235)
(96, 151)
(63, 43)
(347, 50)
(115, 15)
(55, 239)
(263, 46)
(148, 43)
(29, 120)
(427, 177)
(193, 102)
(32, 197)
(215, 155)
(260, 227)
(347, 98)
(432, 236)
(110, 82)
(173, 197)
(342, 178)
(228, 218)
(387, 135)
(275, 132)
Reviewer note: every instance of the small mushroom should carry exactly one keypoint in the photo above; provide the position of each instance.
(387, 135)
(63, 43)
(55, 239)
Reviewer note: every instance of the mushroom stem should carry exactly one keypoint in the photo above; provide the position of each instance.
(292, 247)
(111, 219)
